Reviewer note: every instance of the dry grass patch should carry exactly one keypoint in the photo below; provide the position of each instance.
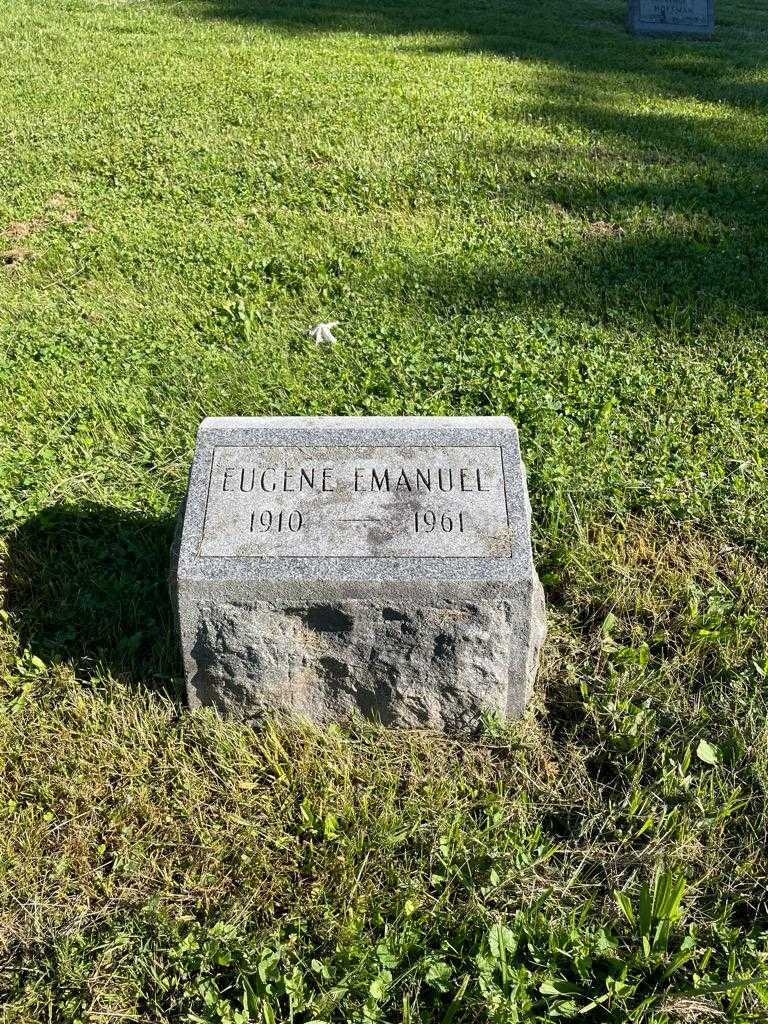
(139, 837)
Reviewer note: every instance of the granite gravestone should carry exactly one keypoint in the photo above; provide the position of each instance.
(332, 566)
(672, 17)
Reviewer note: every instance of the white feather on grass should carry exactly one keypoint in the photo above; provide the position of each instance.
(323, 333)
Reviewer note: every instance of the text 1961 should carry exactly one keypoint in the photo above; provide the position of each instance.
(427, 521)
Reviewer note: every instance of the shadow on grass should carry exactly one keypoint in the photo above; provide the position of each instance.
(644, 280)
(586, 37)
(87, 584)
(693, 180)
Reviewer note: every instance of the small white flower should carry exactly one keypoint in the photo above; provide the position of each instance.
(323, 333)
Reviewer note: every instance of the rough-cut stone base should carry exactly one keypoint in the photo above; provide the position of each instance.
(417, 608)
(440, 667)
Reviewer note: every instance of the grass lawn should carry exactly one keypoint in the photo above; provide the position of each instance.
(510, 207)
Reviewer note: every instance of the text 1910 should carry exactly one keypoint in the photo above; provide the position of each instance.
(276, 522)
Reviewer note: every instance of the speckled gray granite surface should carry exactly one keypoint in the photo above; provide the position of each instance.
(328, 567)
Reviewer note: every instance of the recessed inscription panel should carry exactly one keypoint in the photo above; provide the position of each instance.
(376, 502)
(691, 13)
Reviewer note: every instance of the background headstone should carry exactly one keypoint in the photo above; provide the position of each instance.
(332, 566)
(672, 17)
